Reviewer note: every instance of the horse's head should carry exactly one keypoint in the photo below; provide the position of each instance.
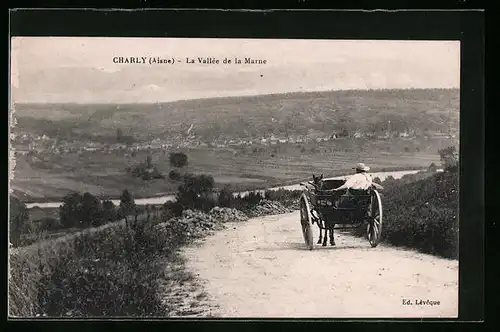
(317, 179)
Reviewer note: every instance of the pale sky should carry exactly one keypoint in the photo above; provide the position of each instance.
(81, 69)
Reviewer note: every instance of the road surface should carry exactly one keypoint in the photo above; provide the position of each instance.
(261, 268)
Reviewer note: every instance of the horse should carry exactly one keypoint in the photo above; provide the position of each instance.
(329, 228)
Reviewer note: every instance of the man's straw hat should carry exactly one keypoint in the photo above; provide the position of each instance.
(362, 167)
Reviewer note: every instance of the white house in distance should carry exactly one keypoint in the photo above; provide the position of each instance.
(357, 135)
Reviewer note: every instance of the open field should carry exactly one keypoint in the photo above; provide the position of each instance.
(105, 174)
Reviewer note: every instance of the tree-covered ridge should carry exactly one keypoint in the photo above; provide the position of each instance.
(418, 111)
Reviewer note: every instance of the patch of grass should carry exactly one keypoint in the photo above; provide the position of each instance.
(98, 272)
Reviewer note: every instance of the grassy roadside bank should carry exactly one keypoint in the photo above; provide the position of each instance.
(421, 212)
(74, 274)
(424, 214)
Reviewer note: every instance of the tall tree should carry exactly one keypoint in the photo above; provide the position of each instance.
(108, 211)
(449, 158)
(91, 211)
(127, 204)
(225, 197)
(70, 212)
(196, 190)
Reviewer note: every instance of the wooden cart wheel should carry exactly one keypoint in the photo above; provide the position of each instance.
(374, 227)
(305, 221)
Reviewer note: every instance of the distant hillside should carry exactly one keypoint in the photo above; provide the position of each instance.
(289, 114)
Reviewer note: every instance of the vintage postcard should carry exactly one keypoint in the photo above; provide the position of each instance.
(249, 178)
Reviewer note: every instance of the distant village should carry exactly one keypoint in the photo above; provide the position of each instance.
(26, 143)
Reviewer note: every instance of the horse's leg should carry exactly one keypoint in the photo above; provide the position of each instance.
(326, 235)
(320, 234)
(332, 237)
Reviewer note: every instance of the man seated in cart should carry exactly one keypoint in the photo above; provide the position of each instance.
(360, 181)
(356, 184)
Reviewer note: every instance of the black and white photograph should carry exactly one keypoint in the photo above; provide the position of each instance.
(233, 178)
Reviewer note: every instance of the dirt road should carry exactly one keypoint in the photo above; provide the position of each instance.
(261, 268)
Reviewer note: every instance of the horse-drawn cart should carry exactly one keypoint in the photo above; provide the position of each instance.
(344, 209)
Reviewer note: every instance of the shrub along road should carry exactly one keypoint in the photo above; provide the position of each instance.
(262, 268)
